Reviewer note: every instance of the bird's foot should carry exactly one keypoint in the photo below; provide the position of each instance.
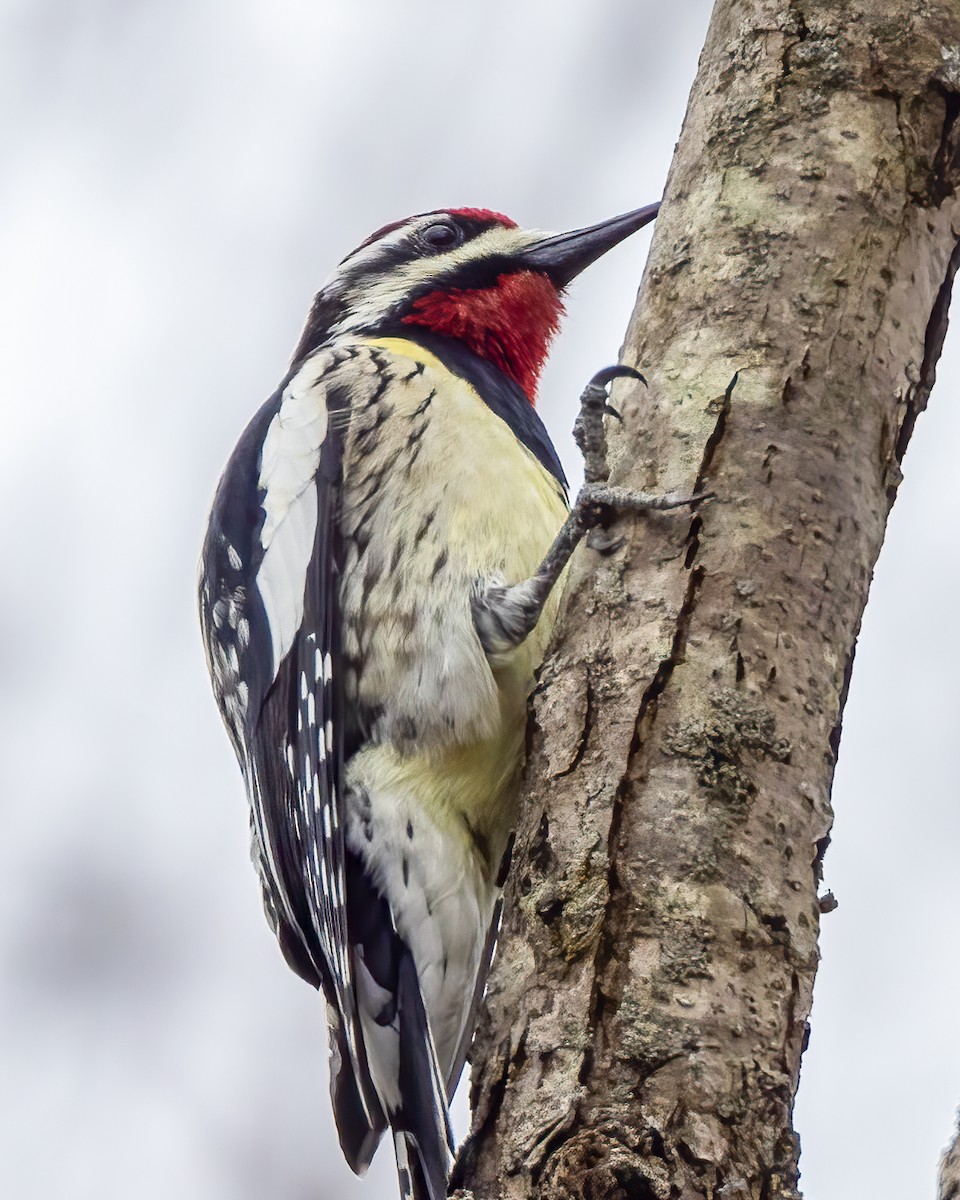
(504, 614)
(598, 501)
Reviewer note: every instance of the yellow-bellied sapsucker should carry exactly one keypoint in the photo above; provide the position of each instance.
(375, 597)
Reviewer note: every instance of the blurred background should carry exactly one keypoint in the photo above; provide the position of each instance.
(177, 179)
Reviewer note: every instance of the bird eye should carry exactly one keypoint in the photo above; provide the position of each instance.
(441, 235)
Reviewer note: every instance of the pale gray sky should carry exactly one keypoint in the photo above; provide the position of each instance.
(177, 179)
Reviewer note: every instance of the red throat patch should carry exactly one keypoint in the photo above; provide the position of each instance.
(510, 324)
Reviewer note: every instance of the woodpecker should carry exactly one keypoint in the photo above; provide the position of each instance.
(376, 593)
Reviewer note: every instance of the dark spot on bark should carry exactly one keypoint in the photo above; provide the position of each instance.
(541, 856)
(821, 850)
(737, 732)
(505, 862)
(941, 180)
(550, 910)
(693, 542)
(721, 406)
(405, 867)
(410, 829)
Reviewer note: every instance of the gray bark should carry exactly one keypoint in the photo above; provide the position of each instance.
(648, 1006)
(949, 1182)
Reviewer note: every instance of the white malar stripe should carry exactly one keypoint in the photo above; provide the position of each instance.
(291, 449)
(282, 577)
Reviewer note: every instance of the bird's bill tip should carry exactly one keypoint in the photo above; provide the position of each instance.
(563, 256)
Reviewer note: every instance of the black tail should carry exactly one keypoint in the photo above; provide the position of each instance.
(422, 1136)
(413, 1182)
(359, 1124)
(398, 1051)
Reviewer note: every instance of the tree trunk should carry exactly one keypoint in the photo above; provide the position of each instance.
(648, 1006)
(949, 1188)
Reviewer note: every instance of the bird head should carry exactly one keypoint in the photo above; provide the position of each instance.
(463, 273)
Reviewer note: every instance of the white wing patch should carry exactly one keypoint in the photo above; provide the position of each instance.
(283, 573)
(288, 467)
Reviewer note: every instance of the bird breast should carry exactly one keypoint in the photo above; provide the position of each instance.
(438, 492)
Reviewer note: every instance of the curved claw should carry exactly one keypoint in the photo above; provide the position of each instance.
(588, 431)
(609, 374)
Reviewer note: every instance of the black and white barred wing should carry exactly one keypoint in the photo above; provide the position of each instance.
(269, 612)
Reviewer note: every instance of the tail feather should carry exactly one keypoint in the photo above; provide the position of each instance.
(399, 1055)
(414, 1184)
(360, 1121)
(423, 1138)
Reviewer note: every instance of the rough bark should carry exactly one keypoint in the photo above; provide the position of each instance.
(949, 1188)
(649, 1002)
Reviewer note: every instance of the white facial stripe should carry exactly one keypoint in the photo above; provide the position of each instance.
(374, 297)
(364, 258)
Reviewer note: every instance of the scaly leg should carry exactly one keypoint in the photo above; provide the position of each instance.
(505, 613)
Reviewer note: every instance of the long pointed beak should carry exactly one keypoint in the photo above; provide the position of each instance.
(563, 256)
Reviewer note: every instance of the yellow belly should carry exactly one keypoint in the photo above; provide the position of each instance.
(471, 502)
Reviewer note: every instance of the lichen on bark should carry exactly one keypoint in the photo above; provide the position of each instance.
(648, 1005)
